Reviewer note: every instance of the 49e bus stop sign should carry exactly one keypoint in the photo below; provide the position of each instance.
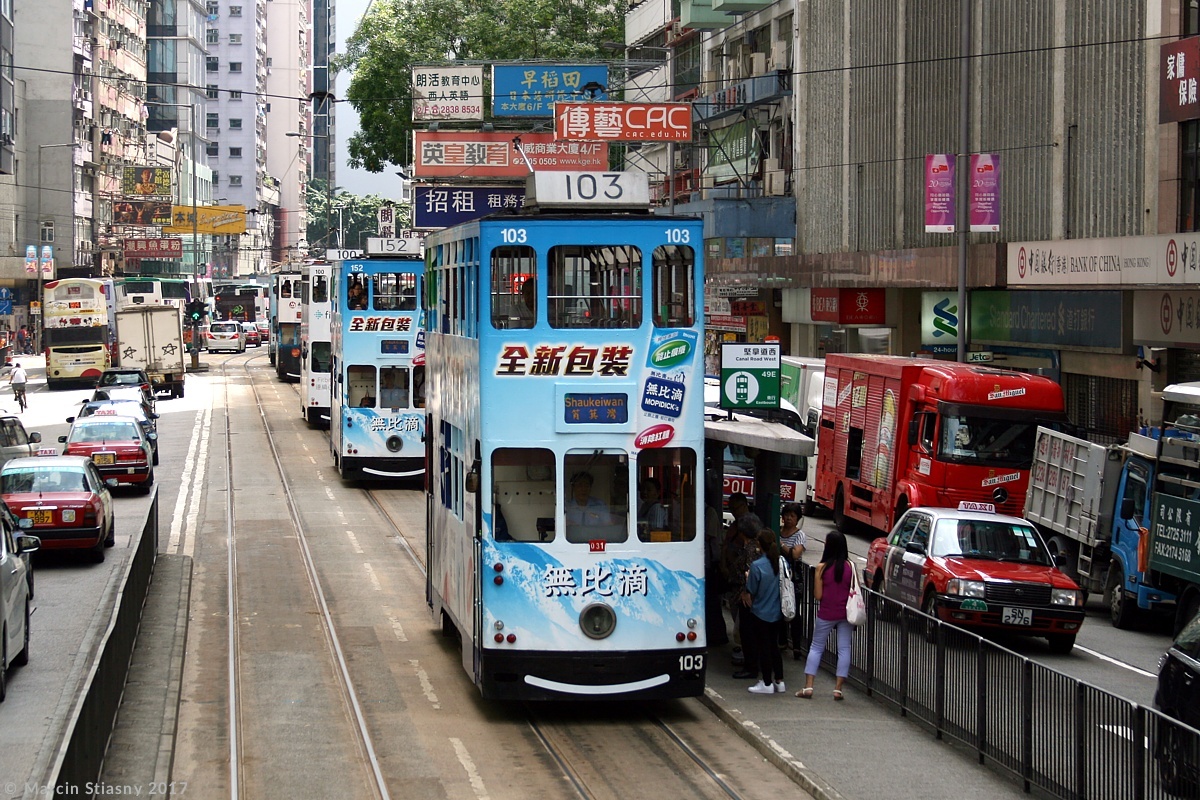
(750, 375)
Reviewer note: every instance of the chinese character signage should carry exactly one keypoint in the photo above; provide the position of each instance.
(146, 181)
(595, 408)
(447, 93)
(733, 151)
(1179, 67)
(1067, 319)
(443, 206)
(531, 90)
(464, 154)
(848, 306)
(141, 212)
(1171, 259)
(1166, 317)
(162, 247)
(211, 220)
(1175, 545)
(985, 192)
(939, 193)
(623, 122)
(386, 215)
(750, 375)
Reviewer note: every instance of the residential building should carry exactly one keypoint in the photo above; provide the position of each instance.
(289, 131)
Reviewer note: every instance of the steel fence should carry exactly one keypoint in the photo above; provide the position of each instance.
(1058, 735)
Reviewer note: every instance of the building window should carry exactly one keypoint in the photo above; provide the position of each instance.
(235, 66)
(212, 8)
(212, 149)
(235, 180)
(235, 38)
(212, 36)
(1191, 17)
(235, 152)
(216, 178)
(211, 91)
(235, 124)
(235, 11)
(212, 63)
(212, 121)
(1189, 175)
(269, 61)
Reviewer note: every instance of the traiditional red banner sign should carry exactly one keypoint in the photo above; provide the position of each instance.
(466, 154)
(623, 122)
(849, 306)
(154, 247)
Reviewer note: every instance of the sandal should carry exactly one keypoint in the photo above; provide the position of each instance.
(806, 693)
(837, 694)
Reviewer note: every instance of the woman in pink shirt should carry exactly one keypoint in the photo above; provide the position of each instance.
(831, 588)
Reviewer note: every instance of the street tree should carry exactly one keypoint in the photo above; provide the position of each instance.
(358, 216)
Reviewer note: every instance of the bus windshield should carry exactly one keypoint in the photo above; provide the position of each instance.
(971, 438)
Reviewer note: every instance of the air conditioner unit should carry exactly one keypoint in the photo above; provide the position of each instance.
(776, 183)
(779, 57)
(758, 63)
(770, 164)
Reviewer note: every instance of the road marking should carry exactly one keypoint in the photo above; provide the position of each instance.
(329, 492)
(426, 685)
(1115, 662)
(354, 542)
(373, 578)
(397, 628)
(189, 484)
(464, 758)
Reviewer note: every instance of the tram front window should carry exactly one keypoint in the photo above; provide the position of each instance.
(322, 356)
(320, 289)
(666, 504)
(595, 493)
(394, 291)
(595, 286)
(360, 386)
(523, 495)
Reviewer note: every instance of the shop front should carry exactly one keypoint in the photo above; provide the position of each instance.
(839, 320)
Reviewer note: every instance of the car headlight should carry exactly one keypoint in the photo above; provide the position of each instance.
(1066, 597)
(964, 588)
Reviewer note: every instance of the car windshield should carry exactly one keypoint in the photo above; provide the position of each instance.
(990, 540)
(224, 327)
(42, 479)
(982, 440)
(120, 378)
(104, 432)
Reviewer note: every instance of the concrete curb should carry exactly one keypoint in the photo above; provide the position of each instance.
(165, 761)
(801, 775)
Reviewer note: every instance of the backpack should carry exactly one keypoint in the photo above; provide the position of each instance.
(787, 590)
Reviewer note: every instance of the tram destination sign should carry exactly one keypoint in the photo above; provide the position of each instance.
(404, 246)
(332, 254)
(750, 375)
(588, 190)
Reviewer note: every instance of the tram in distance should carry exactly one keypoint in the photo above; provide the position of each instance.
(316, 348)
(244, 302)
(160, 290)
(285, 317)
(565, 498)
(377, 400)
(80, 329)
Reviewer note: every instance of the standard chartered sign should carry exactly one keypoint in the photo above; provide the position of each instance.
(750, 375)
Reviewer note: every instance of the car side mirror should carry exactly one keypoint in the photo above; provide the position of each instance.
(152, 436)
(913, 546)
(36, 437)
(62, 439)
(152, 415)
(70, 419)
(112, 483)
(1127, 508)
(27, 543)
(1060, 560)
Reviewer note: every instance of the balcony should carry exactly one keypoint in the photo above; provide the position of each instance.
(701, 16)
(737, 97)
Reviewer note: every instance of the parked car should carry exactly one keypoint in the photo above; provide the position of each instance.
(227, 335)
(63, 499)
(123, 407)
(14, 598)
(15, 442)
(252, 335)
(978, 569)
(116, 445)
(1178, 696)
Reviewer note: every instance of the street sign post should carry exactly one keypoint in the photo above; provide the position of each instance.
(750, 375)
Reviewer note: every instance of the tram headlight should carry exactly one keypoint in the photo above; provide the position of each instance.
(597, 621)
(394, 443)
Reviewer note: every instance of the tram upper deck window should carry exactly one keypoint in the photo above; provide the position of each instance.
(356, 292)
(596, 496)
(320, 288)
(523, 495)
(513, 291)
(674, 290)
(394, 291)
(595, 286)
(666, 503)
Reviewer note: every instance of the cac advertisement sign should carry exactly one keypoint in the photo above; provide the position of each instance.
(465, 154)
(531, 90)
(447, 93)
(623, 122)
(443, 206)
(1092, 319)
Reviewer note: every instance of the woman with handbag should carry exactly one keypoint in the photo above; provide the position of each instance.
(792, 543)
(831, 588)
(762, 618)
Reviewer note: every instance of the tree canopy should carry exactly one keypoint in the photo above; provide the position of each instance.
(355, 214)
(397, 34)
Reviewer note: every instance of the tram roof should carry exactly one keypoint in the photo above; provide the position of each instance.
(753, 432)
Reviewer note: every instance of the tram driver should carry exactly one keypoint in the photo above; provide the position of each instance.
(581, 507)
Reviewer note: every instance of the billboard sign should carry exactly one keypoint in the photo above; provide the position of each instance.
(623, 122)
(985, 193)
(1093, 319)
(1179, 68)
(146, 181)
(149, 247)
(211, 220)
(466, 154)
(443, 206)
(531, 90)
(939, 321)
(142, 212)
(447, 93)
(939, 193)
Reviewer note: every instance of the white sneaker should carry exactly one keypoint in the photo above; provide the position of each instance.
(780, 688)
(762, 688)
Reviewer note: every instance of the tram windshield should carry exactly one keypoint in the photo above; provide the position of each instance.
(595, 286)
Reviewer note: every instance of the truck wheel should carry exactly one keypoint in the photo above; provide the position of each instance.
(840, 521)
(1059, 546)
(1061, 643)
(1185, 611)
(1120, 606)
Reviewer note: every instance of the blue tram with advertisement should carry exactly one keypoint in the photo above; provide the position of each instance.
(565, 509)
(377, 402)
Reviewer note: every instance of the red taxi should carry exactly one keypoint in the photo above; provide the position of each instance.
(62, 499)
(978, 569)
(116, 445)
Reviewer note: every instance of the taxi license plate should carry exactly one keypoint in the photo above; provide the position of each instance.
(105, 458)
(42, 516)
(1017, 616)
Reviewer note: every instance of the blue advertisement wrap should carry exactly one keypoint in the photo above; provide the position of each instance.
(531, 90)
(437, 207)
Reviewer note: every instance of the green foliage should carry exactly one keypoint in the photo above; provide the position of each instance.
(397, 34)
(357, 215)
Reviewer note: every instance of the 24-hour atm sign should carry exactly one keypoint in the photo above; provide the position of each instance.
(623, 122)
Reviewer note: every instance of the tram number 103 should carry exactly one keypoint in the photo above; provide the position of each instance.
(607, 189)
(691, 663)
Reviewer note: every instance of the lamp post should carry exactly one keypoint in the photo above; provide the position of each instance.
(328, 179)
(39, 328)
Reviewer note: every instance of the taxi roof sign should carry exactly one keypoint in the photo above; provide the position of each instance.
(986, 508)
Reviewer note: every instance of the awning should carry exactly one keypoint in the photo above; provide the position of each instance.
(753, 432)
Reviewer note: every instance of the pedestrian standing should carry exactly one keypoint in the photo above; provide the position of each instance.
(738, 554)
(23, 340)
(792, 543)
(831, 588)
(762, 617)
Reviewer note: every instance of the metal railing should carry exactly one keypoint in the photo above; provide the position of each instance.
(1058, 735)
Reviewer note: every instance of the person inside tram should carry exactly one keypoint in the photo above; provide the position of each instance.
(653, 510)
(581, 507)
(392, 394)
(356, 296)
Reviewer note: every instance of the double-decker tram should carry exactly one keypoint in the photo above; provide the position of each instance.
(565, 436)
(156, 290)
(286, 314)
(244, 302)
(377, 416)
(316, 347)
(79, 329)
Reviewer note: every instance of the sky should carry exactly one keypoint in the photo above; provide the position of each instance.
(355, 181)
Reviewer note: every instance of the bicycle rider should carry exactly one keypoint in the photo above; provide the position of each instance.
(17, 379)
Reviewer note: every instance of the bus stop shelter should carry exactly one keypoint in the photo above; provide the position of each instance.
(768, 441)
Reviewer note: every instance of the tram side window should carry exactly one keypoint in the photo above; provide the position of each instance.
(320, 288)
(360, 385)
(285, 288)
(596, 496)
(356, 292)
(322, 356)
(395, 291)
(418, 378)
(513, 288)
(523, 495)
(595, 286)
(674, 292)
(666, 504)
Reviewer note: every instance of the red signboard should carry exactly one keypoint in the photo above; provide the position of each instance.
(623, 122)
(466, 154)
(747, 308)
(1177, 80)
(162, 247)
(848, 306)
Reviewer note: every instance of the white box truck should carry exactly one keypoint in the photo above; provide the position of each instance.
(151, 337)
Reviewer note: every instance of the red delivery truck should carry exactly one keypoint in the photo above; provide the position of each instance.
(902, 432)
